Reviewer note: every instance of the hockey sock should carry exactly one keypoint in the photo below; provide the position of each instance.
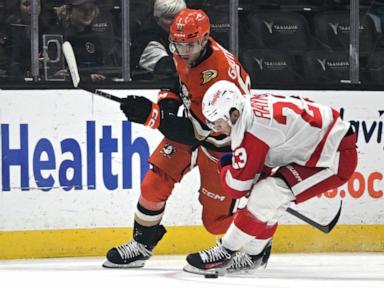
(148, 217)
(234, 239)
(256, 246)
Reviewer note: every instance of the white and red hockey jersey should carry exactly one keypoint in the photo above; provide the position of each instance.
(275, 131)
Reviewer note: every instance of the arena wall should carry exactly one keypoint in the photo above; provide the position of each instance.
(71, 168)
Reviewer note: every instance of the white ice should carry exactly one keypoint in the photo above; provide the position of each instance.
(284, 270)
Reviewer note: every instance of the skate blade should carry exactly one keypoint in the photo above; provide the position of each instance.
(247, 271)
(132, 265)
(240, 272)
(190, 269)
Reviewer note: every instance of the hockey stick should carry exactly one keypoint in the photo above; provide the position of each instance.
(69, 56)
(323, 228)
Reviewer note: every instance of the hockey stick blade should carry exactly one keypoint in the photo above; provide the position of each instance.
(70, 57)
(72, 64)
(323, 228)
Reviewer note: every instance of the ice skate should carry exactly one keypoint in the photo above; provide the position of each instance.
(135, 253)
(129, 255)
(210, 261)
(245, 263)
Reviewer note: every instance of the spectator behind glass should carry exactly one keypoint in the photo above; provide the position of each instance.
(150, 51)
(75, 20)
(19, 21)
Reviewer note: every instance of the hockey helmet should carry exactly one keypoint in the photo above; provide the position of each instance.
(219, 100)
(189, 25)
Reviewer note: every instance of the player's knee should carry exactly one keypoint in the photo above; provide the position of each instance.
(155, 187)
(216, 225)
(249, 224)
(213, 228)
(269, 199)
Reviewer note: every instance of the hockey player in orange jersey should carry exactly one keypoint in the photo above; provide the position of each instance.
(309, 144)
(200, 62)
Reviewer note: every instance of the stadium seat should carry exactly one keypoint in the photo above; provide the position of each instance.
(302, 5)
(326, 67)
(332, 29)
(286, 31)
(362, 2)
(259, 4)
(195, 4)
(376, 67)
(269, 66)
(218, 13)
(293, 5)
(382, 23)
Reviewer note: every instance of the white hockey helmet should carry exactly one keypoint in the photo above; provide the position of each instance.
(219, 100)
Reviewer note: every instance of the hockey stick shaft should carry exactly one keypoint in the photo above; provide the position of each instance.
(69, 56)
(323, 228)
(101, 93)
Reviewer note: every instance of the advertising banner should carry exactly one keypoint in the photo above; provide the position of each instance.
(69, 159)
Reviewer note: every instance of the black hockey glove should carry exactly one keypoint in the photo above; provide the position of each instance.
(136, 108)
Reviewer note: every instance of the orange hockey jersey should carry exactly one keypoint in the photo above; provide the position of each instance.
(218, 65)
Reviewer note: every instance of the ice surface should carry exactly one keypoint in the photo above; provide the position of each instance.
(284, 270)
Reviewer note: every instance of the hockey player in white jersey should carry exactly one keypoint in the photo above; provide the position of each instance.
(311, 147)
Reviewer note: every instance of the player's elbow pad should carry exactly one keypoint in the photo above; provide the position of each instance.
(233, 193)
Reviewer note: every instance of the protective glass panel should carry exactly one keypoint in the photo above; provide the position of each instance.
(15, 40)
(300, 42)
(371, 54)
(91, 26)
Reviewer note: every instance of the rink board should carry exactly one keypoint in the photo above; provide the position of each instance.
(71, 168)
(183, 240)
